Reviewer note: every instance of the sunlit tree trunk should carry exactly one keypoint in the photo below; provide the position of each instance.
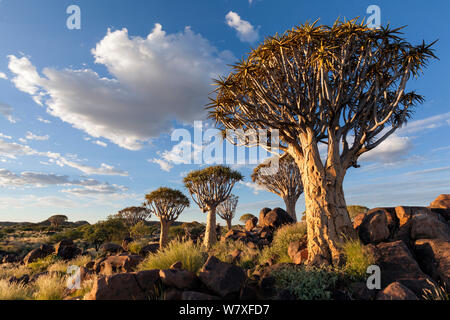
(164, 234)
(328, 222)
(229, 226)
(210, 233)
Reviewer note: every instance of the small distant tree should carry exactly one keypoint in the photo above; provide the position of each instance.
(227, 209)
(246, 217)
(285, 181)
(140, 230)
(167, 204)
(57, 220)
(133, 215)
(208, 188)
(104, 231)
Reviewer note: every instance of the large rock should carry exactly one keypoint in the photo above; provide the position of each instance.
(398, 264)
(262, 214)
(121, 286)
(396, 291)
(222, 278)
(110, 248)
(428, 226)
(298, 252)
(38, 253)
(181, 279)
(433, 256)
(66, 250)
(441, 202)
(250, 224)
(118, 264)
(149, 248)
(376, 225)
(276, 218)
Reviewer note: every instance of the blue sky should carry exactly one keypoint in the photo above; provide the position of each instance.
(86, 115)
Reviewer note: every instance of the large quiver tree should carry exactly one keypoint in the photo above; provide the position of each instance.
(343, 86)
(166, 204)
(284, 180)
(208, 188)
(227, 209)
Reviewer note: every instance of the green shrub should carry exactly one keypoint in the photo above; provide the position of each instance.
(306, 283)
(41, 265)
(353, 211)
(136, 246)
(191, 256)
(281, 240)
(246, 217)
(222, 250)
(176, 232)
(357, 259)
(140, 230)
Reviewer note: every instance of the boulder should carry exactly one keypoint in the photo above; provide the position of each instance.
(251, 224)
(276, 218)
(396, 263)
(396, 291)
(117, 264)
(148, 281)
(10, 258)
(126, 242)
(376, 225)
(149, 248)
(110, 248)
(222, 278)
(66, 250)
(180, 279)
(433, 256)
(34, 255)
(360, 291)
(176, 265)
(441, 202)
(298, 252)
(121, 286)
(262, 214)
(428, 226)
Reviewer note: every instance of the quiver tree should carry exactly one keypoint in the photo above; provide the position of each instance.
(57, 219)
(208, 188)
(166, 204)
(284, 180)
(133, 215)
(342, 86)
(227, 209)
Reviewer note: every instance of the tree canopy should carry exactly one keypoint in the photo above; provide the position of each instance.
(133, 215)
(166, 203)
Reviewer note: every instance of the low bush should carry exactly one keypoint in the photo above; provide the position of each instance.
(222, 250)
(14, 291)
(191, 256)
(281, 240)
(50, 287)
(306, 283)
(358, 259)
(42, 264)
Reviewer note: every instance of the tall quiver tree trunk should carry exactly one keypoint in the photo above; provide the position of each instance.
(229, 226)
(164, 234)
(210, 233)
(327, 218)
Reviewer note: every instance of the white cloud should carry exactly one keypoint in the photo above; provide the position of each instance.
(3, 136)
(44, 120)
(100, 143)
(427, 123)
(255, 187)
(12, 149)
(393, 149)
(245, 31)
(154, 80)
(3, 76)
(6, 111)
(164, 165)
(31, 136)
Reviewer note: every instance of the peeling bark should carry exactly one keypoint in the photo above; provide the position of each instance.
(210, 233)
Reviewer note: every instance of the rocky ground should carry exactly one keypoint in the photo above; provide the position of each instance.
(411, 245)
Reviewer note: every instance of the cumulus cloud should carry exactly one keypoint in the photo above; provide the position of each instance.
(154, 80)
(3, 76)
(255, 187)
(6, 111)
(164, 165)
(393, 149)
(245, 30)
(31, 136)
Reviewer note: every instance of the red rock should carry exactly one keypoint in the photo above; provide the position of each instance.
(396, 291)
(441, 202)
(181, 279)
